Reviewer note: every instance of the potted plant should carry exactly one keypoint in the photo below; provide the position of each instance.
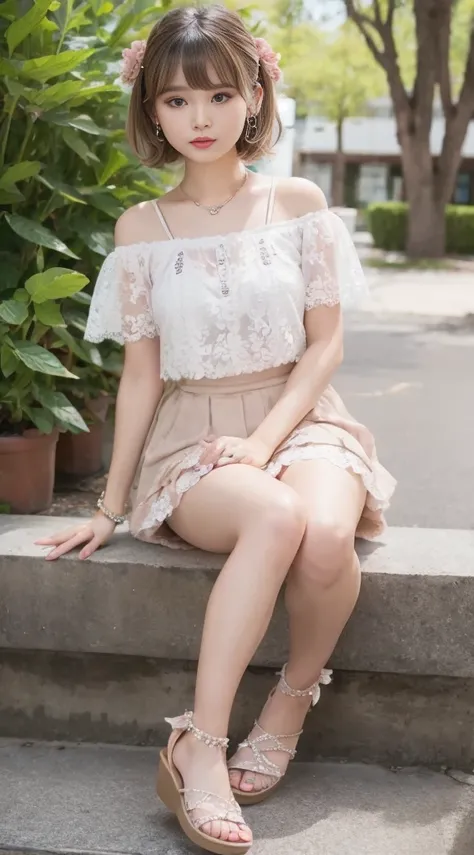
(98, 370)
(32, 409)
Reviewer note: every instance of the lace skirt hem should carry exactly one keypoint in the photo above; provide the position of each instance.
(171, 464)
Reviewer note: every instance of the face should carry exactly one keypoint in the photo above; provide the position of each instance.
(203, 124)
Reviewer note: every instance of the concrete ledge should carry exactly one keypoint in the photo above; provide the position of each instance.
(414, 615)
(384, 718)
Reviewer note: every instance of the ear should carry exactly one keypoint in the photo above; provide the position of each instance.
(256, 103)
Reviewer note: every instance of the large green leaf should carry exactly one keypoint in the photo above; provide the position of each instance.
(77, 144)
(49, 314)
(81, 123)
(8, 360)
(64, 190)
(35, 233)
(58, 93)
(39, 359)
(115, 161)
(8, 9)
(10, 274)
(54, 283)
(61, 408)
(20, 29)
(19, 171)
(41, 418)
(66, 338)
(100, 242)
(11, 196)
(44, 68)
(13, 312)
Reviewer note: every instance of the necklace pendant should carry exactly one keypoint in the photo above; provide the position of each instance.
(214, 211)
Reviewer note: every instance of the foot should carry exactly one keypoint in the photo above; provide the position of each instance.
(281, 714)
(202, 767)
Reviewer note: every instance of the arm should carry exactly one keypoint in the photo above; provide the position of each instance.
(322, 320)
(309, 378)
(141, 387)
(138, 396)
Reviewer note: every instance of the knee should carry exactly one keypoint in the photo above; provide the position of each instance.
(326, 553)
(283, 518)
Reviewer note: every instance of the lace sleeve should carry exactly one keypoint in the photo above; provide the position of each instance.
(331, 268)
(121, 303)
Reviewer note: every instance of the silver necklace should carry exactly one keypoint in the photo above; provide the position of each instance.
(215, 209)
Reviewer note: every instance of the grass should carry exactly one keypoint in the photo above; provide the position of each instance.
(403, 263)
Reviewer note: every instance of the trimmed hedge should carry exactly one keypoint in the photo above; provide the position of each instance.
(387, 223)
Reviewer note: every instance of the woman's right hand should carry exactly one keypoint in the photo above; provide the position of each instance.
(93, 533)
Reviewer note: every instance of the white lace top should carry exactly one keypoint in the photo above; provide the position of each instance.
(227, 304)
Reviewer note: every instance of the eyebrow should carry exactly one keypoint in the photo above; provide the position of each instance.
(190, 89)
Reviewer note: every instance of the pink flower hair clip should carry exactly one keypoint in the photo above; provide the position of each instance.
(132, 62)
(269, 58)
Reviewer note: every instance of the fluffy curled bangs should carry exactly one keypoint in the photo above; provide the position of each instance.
(212, 46)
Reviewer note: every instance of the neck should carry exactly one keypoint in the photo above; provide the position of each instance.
(211, 183)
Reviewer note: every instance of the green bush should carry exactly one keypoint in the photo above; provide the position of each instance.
(66, 174)
(387, 222)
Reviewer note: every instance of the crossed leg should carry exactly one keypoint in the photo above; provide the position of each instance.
(321, 591)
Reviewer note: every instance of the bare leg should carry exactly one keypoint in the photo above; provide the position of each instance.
(241, 510)
(321, 592)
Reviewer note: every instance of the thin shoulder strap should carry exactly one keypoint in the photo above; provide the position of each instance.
(271, 201)
(162, 220)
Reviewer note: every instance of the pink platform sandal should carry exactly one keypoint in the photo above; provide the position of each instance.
(266, 742)
(183, 801)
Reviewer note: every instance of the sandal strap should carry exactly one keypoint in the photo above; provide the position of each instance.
(185, 722)
(226, 810)
(261, 763)
(313, 691)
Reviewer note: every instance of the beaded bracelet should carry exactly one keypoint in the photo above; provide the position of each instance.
(116, 518)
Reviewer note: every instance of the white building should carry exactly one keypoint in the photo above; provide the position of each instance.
(372, 155)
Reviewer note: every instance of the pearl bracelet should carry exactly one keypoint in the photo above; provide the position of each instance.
(116, 518)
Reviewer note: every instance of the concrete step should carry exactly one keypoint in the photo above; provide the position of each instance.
(102, 650)
(414, 615)
(63, 798)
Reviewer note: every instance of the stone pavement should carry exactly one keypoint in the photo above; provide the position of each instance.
(429, 294)
(58, 798)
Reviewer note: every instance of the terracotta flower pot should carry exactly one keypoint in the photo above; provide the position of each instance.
(80, 454)
(27, 471)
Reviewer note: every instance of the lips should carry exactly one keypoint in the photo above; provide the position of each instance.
(202, 142)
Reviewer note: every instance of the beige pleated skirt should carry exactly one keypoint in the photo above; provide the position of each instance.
(191, 417)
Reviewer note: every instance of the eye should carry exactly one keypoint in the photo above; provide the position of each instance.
(221, 96)
(172, 102)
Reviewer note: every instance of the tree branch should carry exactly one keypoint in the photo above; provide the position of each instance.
(443, 70)
(457, 123)
(387, 58)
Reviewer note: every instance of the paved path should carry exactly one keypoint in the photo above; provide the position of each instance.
(409, 375)
(101, 799)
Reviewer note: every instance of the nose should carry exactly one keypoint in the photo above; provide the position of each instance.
(201, 118)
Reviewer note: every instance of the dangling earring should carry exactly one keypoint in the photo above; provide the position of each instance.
(251, 129)
(158, 131)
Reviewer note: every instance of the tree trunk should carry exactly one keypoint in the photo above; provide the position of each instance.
(426, 234)
(338, 172)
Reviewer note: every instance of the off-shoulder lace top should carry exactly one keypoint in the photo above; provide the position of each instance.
(228, 304)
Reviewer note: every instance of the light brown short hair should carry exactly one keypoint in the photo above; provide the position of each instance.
(196, 38)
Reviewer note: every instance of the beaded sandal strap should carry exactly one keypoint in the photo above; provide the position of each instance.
(314, 691)
(185, 722)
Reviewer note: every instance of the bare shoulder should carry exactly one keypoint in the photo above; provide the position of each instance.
(138, 224)
(299, 196)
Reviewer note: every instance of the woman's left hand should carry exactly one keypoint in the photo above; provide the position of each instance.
(251, 451)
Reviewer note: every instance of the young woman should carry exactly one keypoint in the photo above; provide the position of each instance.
(227, 295)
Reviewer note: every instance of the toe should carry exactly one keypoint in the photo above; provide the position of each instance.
(235, 778)
(247, 784)
(225, 830)
(215, 828)
(234, 835)
(245, 834)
